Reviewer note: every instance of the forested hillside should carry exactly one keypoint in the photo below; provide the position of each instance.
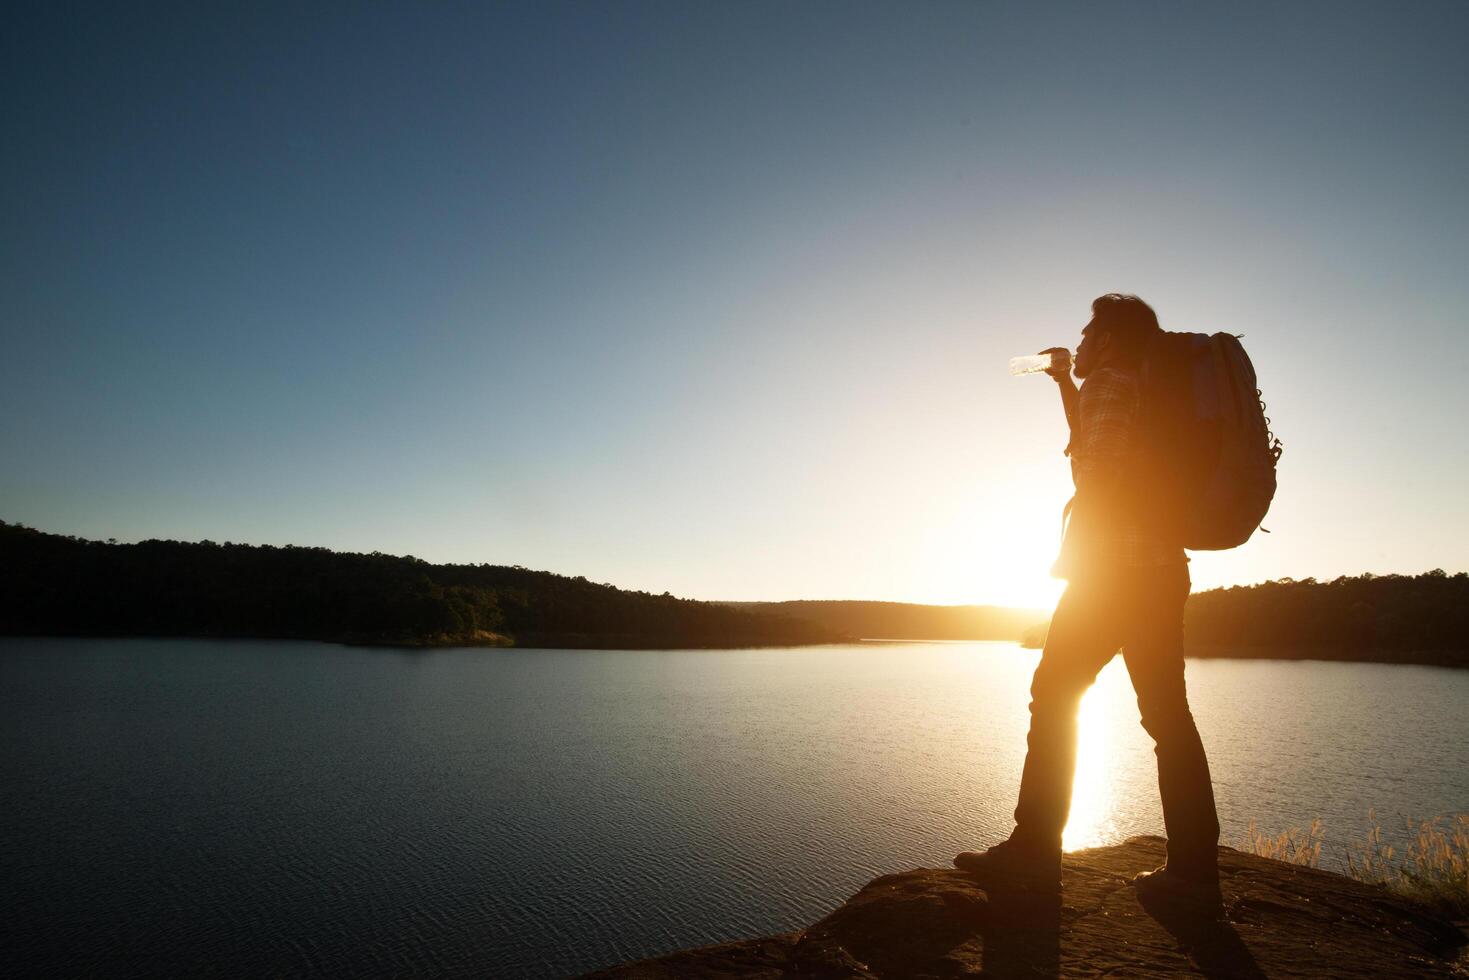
(1412, 618)
(51, 584)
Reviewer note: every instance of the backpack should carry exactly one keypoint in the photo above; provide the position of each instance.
(1209, 474)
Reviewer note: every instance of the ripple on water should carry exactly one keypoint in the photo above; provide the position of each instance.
(306, 810)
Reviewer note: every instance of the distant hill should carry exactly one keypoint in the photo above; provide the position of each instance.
(905, 620)
(56, 585)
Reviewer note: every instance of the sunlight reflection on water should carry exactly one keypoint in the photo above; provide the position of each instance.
(1114, 794)
(1091, 792)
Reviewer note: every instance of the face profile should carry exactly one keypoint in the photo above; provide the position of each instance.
(1089, 350)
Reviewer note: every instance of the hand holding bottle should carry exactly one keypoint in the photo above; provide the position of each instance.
(1054, 361)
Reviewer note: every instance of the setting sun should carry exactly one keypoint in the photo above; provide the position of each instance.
(993, 551)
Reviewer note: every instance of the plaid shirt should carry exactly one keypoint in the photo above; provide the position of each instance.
(1103, 450)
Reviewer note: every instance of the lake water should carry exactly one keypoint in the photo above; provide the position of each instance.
(189, 807)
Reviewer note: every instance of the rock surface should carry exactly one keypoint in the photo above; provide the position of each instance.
(1280, 921)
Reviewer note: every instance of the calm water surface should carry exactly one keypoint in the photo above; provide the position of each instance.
(248, 808)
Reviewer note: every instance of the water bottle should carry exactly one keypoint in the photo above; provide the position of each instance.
(1036, 363)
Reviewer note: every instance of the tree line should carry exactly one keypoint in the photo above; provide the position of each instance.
(55, 584)
(1422, 619)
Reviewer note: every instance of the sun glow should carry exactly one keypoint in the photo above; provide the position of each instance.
(988, 555)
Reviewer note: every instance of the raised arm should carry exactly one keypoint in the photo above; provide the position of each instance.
(1070, 395)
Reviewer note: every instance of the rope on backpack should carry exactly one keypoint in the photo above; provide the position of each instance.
(1276, 446)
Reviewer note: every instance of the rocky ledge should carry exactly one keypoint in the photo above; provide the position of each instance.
(1280, 921)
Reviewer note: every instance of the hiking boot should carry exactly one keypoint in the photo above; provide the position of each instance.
(1016, 862)
(1194, 892)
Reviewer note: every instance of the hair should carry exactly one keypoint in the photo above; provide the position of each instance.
(1129, 321)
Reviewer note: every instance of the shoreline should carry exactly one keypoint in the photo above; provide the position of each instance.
(537, 641)
(1452, 659)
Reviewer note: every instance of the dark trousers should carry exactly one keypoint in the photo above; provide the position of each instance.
(1140, 611)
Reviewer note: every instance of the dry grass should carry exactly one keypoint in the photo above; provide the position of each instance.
(1433, 868)
(1293, 847)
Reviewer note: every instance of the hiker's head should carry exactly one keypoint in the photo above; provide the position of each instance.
(1119, 329)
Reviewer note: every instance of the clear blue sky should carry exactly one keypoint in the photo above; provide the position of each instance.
(717, 298)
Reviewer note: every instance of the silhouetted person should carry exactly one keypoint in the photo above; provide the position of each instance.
(1126, 587)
